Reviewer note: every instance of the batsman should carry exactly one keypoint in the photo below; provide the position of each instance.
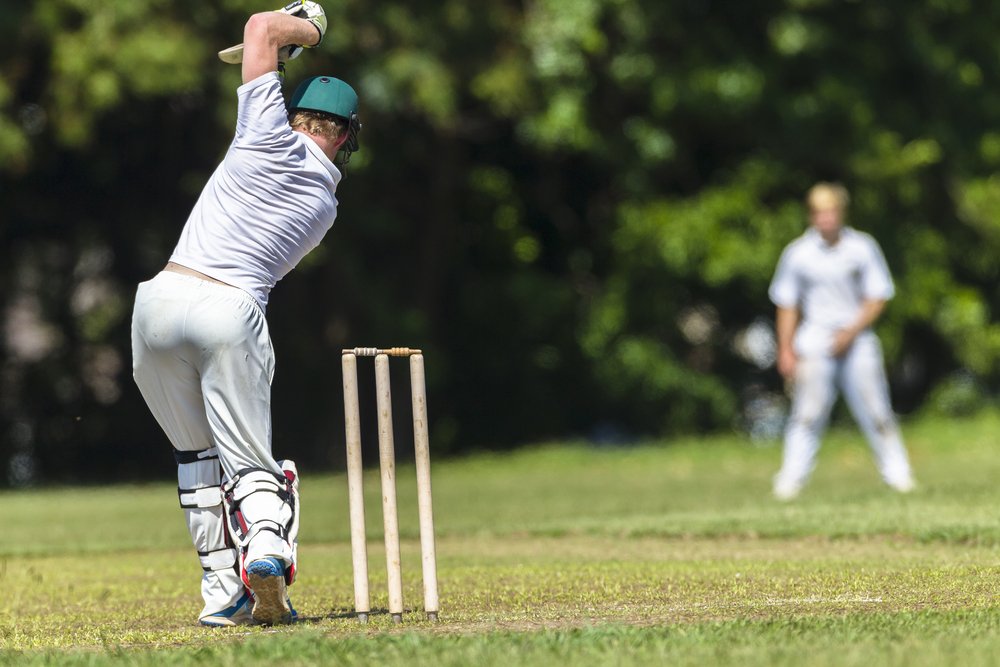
(201, 351)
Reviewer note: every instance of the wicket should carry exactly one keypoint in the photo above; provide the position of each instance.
(387, 465)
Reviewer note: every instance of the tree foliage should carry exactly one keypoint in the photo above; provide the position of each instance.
(548, 194)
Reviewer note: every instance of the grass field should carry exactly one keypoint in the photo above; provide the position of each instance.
(565, 554)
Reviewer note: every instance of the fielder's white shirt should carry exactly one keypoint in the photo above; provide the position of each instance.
(270, 201)
(828, 284)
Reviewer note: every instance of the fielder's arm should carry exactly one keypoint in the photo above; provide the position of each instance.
(871, 310)
(267, 32)
(786, 323)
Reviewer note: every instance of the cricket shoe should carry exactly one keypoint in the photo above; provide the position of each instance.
(237, 614)
(904, 485)
(267, 581)
(785, 491)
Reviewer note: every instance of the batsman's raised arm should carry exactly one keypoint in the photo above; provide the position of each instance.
(266, 33)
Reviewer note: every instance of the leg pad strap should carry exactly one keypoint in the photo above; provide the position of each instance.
(257, 481)
(193, 456)
(219, 559)
(210, 496)
(264, 525)
(198, 477)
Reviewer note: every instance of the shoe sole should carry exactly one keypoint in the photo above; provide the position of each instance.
(270, 594)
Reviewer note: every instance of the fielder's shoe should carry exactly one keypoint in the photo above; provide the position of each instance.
(238, 614)
(267, 580)
(785, 491)
(904, 485)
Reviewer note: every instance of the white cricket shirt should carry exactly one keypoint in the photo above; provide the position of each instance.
(270, 201)
(828, 284)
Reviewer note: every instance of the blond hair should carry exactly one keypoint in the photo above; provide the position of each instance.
(318, 124)
(825, 195)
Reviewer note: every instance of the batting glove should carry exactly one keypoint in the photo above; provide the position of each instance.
(310, 11)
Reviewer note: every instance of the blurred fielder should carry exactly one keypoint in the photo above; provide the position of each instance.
(831, 284)
(202, 355)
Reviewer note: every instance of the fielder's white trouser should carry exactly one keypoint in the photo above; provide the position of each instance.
(202, 359)
(860, 375)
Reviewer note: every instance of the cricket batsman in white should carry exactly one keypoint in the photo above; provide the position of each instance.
(202, 355)
(831, 285)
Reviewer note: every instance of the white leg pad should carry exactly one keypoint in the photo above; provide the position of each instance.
(263, 515)
(200, 495)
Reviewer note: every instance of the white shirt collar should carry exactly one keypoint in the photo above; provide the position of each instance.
(816, 238)
(321, 156)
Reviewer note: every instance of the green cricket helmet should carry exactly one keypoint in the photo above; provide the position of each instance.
(332, 96)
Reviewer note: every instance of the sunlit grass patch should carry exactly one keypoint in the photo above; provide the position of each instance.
(903, 638)
(527, 583)
(563, 554)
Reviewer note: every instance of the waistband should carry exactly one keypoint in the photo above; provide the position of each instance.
(200, 285)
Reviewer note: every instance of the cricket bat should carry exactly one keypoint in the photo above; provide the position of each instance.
(233, 55)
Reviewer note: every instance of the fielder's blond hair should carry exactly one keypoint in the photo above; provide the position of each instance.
(317, 124)
(825, 195)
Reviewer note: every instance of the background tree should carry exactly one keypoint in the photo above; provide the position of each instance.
(574, 206)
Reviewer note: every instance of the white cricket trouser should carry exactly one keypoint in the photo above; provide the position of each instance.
(860, 375)
(202, 359)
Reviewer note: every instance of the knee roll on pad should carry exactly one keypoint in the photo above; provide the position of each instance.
(199, 480)
(259, 480)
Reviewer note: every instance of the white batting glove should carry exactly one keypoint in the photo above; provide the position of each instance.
(310, 11)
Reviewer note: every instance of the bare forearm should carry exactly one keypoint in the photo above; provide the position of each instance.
(787, 322)
(267, 32)
(871, 310)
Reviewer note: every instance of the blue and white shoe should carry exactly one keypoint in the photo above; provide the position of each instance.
(267, 580)
(238, 614)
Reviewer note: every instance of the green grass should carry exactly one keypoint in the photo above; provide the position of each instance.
(563, 554)
(930, 639)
